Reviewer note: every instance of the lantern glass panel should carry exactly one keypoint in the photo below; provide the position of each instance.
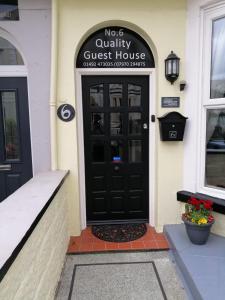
(169, 67)
(175, 66)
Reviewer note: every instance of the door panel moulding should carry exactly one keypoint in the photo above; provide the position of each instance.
(15, 149)
(81, 161)
(109, 132)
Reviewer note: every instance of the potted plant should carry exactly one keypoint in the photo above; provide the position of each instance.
(198, 220)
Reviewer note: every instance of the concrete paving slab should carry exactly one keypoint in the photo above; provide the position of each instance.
(132, 275)
(202, 266)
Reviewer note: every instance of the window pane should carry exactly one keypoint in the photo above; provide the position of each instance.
(135, 150)
(116, 151)
(97, 123)
(12, 147)
(115, 95)
(134, 95)
(215, 148)
(9, 54)
(98, 153)
(9, 10)
(116, 123)
(96, 95)
(218, 59)
(135, 123)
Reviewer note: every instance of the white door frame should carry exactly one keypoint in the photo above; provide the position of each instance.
(81, 161)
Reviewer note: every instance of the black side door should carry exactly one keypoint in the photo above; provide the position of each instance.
(15, 148)
(116, 140)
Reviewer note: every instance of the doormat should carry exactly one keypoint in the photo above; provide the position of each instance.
(119, 233)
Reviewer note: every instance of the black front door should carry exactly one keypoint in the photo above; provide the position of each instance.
(115, 113)
(15, 149)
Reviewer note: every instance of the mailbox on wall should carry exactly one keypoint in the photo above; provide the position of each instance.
(171, 126)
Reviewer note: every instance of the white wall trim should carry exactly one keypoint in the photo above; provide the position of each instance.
(81, 162)
(13, 71)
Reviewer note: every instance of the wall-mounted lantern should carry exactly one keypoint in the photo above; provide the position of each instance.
(172, 63)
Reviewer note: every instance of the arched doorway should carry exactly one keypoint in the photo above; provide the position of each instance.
(116, 64)
(15, 147)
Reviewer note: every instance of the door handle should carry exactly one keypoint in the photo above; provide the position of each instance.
(5, 167)
(116, 168)
(145, 126)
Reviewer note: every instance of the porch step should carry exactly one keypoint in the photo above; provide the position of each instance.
(202, 267)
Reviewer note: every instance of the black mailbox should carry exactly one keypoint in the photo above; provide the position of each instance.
(171, 126)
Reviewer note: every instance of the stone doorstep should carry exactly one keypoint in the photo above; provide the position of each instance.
(202, 267)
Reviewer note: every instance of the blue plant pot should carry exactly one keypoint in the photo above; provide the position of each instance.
(198, 234)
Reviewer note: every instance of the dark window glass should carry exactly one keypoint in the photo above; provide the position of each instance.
(98, 153)
(134, 123)
(9, 54)
(116, 123)
(12, 147)
(96, 95)
(215, 148)
(9, 10)
(218, 60)
(97, 123)
(134, 95)
(135, 149)
(115, 94)
(116, 151)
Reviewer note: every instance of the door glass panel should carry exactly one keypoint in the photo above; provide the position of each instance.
(9, 54)
(134, 123)
(96, 95)
(116, 123)
(9, 10)
(12, 147)
(218, 60)
(215, 148)
(116, 151)
(135, 150)
(115, 94)
(98, 153)
(97, 123)
(134, 95)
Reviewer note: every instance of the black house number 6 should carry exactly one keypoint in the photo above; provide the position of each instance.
(66, 112)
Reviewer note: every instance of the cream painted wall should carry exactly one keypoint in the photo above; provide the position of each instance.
(162, 24)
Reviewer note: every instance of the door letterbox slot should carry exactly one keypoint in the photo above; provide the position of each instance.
(171, 126)
(5, 167)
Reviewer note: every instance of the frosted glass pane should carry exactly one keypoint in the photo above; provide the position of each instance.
(11, 132)
(9, 54)
(215, 148)
(218, 60)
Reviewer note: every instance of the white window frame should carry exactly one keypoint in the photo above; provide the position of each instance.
(208, 15)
